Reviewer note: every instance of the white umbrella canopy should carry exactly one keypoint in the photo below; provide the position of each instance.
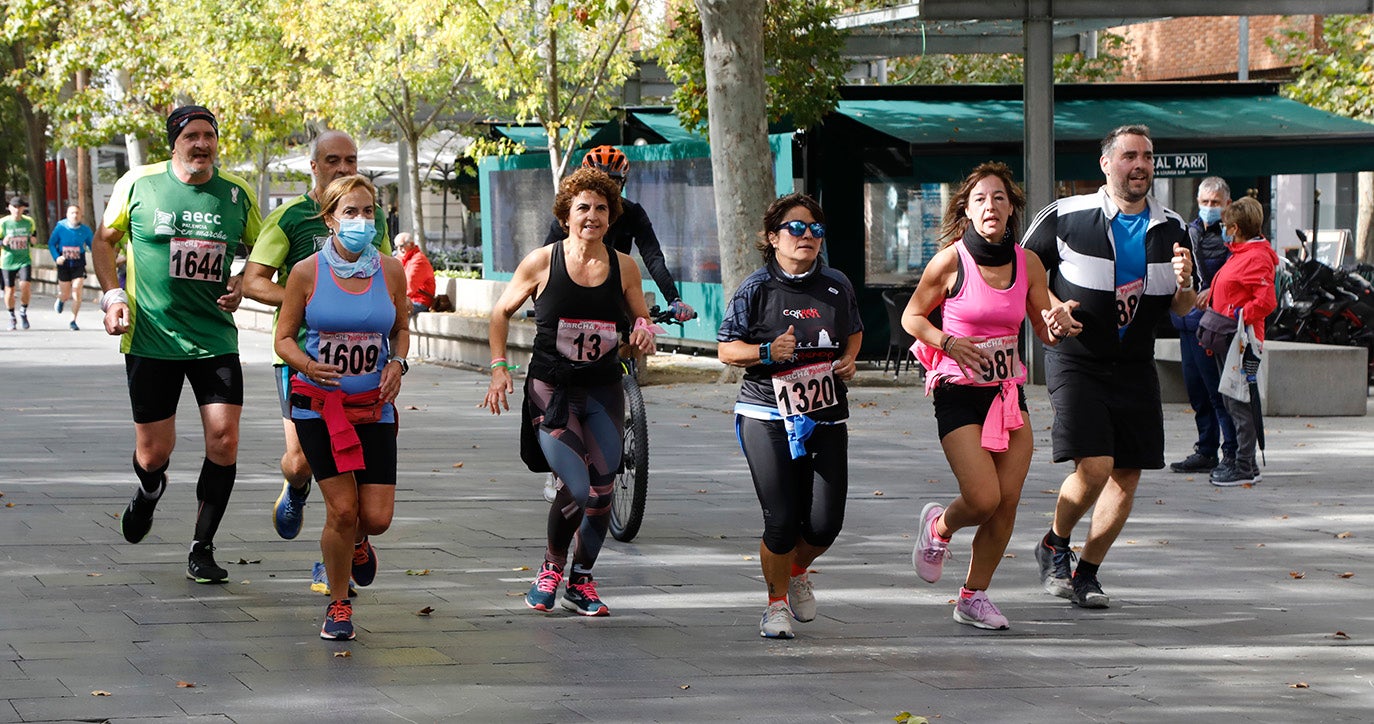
(380, 160)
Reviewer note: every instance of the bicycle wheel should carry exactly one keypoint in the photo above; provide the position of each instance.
(632, 484)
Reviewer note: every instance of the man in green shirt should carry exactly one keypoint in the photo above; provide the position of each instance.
(291, 233)
(16, 266)
(184, 221)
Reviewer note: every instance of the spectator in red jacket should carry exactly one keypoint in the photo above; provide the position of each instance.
(1245, 284)
(419, 273)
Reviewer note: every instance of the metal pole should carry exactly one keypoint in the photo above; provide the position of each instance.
(1243, 49)
(1038, 150)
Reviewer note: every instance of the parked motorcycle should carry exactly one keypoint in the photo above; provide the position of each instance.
(1321, 305)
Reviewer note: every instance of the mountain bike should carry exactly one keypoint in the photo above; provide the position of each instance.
(632, 482)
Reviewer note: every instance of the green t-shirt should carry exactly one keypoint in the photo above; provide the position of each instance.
(294, 231)
(182, 239)
(17, 238)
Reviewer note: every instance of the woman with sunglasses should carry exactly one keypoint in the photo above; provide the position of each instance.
(986, 286)
(794, 327)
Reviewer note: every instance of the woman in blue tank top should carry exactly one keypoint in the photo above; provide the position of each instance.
(351, 302)
(585, 294)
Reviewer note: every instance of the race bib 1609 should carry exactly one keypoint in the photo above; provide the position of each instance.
(354, 353)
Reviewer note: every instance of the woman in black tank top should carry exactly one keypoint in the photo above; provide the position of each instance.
(586, 295)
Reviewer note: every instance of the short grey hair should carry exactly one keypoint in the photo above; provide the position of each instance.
(315, 144)
(1134, 129)
(1214, 184)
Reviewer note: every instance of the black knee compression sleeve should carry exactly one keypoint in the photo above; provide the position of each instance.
(212, 490)
(151, 480)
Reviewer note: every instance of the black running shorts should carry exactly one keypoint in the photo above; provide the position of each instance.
(1106, 410)
(960, 405)
(70, 272)
(379, 451)
(155, 384)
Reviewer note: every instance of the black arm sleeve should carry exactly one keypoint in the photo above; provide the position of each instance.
(650, 251)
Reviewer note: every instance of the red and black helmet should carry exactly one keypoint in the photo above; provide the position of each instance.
(609, 160)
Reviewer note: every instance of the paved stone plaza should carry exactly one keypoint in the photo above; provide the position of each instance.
(1228, 605)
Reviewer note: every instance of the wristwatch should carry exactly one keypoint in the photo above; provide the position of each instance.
(405, 366)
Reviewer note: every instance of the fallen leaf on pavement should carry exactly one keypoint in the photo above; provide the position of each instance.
(97, 575)
(100, 692)
(424, 572)
(1008, 555)
(245, 561)
(684, 687)
(1159, 501)
(1341, 636)
(458, 465)
(342, 654)
(9, 505)
(1345, 534)
(1297, 574)
(411, 407)
(878, 493)
(521, 568)
(1347, 574)
(185, 685)
(1299, 685)
(424, 611)
(701, 490)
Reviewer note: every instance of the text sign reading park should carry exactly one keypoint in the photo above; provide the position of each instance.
(1180, 164)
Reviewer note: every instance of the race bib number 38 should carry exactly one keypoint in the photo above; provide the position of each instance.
(196, 259)
(585, 340)
(1127, 300)
(355, 353)
(1004, 364)
(805, 389)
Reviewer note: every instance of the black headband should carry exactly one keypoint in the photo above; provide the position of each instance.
(176, 122)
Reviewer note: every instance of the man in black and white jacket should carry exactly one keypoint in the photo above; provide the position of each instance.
(1126, 260)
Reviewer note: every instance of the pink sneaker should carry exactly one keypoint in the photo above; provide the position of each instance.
(977, 610)
(930, 553)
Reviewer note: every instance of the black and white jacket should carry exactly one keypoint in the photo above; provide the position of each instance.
(1073, 238)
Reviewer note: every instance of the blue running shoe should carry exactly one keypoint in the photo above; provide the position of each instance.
(57, 306)
(581, 598)
(364, 563)
(289, 511)
(319, 581)
(545, 588)
(338, 621)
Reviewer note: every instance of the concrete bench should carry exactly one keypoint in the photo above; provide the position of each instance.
(1314, 380)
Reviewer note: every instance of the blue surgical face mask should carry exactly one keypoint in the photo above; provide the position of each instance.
(1209, 214)
(357, 234)
(1226, 236)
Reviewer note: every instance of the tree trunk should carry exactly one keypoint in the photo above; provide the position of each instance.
(85, 185)
(741, 163)
(135, 152)
(551, 110)
(35, 133)
(1364, 226)
(264, 180)
(416, 193)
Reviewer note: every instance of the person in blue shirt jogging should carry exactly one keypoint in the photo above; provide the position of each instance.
(69, 243)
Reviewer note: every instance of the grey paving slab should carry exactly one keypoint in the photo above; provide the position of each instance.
(1224, 600)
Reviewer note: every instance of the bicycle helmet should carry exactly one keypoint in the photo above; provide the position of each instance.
(609, 160)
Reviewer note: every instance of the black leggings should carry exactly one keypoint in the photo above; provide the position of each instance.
(802, 498)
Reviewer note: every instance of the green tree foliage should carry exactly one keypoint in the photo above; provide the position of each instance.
(1336, 72)
(942, 69)
(802, 61)
(561, 65)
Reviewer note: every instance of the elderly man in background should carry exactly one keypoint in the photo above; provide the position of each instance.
(419, 274)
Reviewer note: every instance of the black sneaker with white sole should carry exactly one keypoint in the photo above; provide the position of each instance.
(1087, 592)
(201, 566)
(1056, 568)
(137, 519)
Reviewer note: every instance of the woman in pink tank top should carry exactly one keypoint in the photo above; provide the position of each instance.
(986, 286)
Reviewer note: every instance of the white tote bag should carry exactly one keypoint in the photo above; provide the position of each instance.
(1233, 382)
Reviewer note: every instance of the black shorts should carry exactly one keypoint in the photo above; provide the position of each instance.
(1106, 410)
(960, 405)
(379, 451)
(71, 272)
(13, 276)
(155, 384)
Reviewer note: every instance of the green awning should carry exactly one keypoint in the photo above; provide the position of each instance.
(534, 138)
(666, 126)
(1226, 135)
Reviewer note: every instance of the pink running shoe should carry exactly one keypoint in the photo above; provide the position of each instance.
(977, 610)
(930, 553)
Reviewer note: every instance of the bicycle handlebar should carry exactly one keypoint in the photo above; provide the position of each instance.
(656, 315)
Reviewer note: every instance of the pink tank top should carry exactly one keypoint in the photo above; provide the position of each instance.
(979, 310)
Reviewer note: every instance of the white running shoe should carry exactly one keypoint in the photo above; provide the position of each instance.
(801, 596)
(777, 621)
(550, 488)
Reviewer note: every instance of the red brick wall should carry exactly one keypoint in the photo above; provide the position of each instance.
(1204, 48)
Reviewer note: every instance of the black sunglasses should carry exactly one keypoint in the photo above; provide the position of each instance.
(798, 228)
